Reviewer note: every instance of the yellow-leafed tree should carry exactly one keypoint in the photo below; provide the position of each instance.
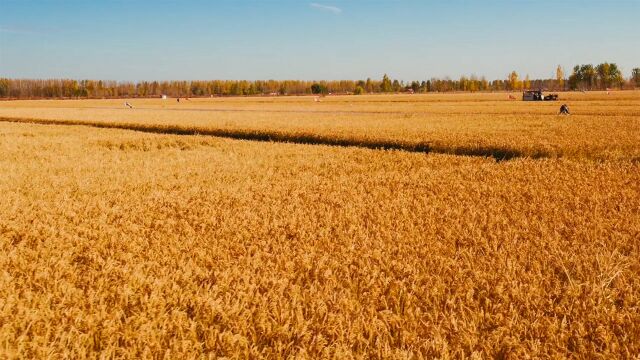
(560, 77)
(514, 81)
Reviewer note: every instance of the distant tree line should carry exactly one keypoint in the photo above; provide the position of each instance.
(583, 77)
(602, 76)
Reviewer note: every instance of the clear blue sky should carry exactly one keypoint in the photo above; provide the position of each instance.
(317, 39)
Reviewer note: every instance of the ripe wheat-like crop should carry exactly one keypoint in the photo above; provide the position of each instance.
(600, 128)
(131, 244)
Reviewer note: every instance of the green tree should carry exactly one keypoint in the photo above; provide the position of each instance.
(415, 86)
(397, 86)
(386, 85)
(609, 75)
(359, 90)
(589, 75)
(575, 78)
(318, 89)
(603, 74)
(615, 75)
(584, 77)
(369, 86)
(635, 77)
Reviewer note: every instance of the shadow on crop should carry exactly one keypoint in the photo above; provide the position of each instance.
(495, 152)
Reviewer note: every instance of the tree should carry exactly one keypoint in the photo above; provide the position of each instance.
(369, 86)
(484, 84)
(474, 84)
(397, 86)
(583, 77)
(318, 89)
(615, 75)
(415, 86)
(423, 86)
(560, 77)
(589, 75)
(514, 83)
(463, 83)
(609, 75)
(635, 77)
(386, 85)
(574, 79)
(603, 74)
(4, 87)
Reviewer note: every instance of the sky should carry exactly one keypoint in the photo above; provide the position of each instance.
(312, 40)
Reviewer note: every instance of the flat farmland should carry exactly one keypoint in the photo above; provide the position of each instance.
(602, 126)
(487, 228)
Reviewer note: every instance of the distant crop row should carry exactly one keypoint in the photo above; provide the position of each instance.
(599, 129)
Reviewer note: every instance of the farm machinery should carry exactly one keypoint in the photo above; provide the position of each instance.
(537, 95)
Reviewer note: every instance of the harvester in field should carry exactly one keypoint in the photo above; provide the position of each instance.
(537, 95)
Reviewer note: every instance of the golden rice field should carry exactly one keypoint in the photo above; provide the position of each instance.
(491, 229)
(602, 127)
